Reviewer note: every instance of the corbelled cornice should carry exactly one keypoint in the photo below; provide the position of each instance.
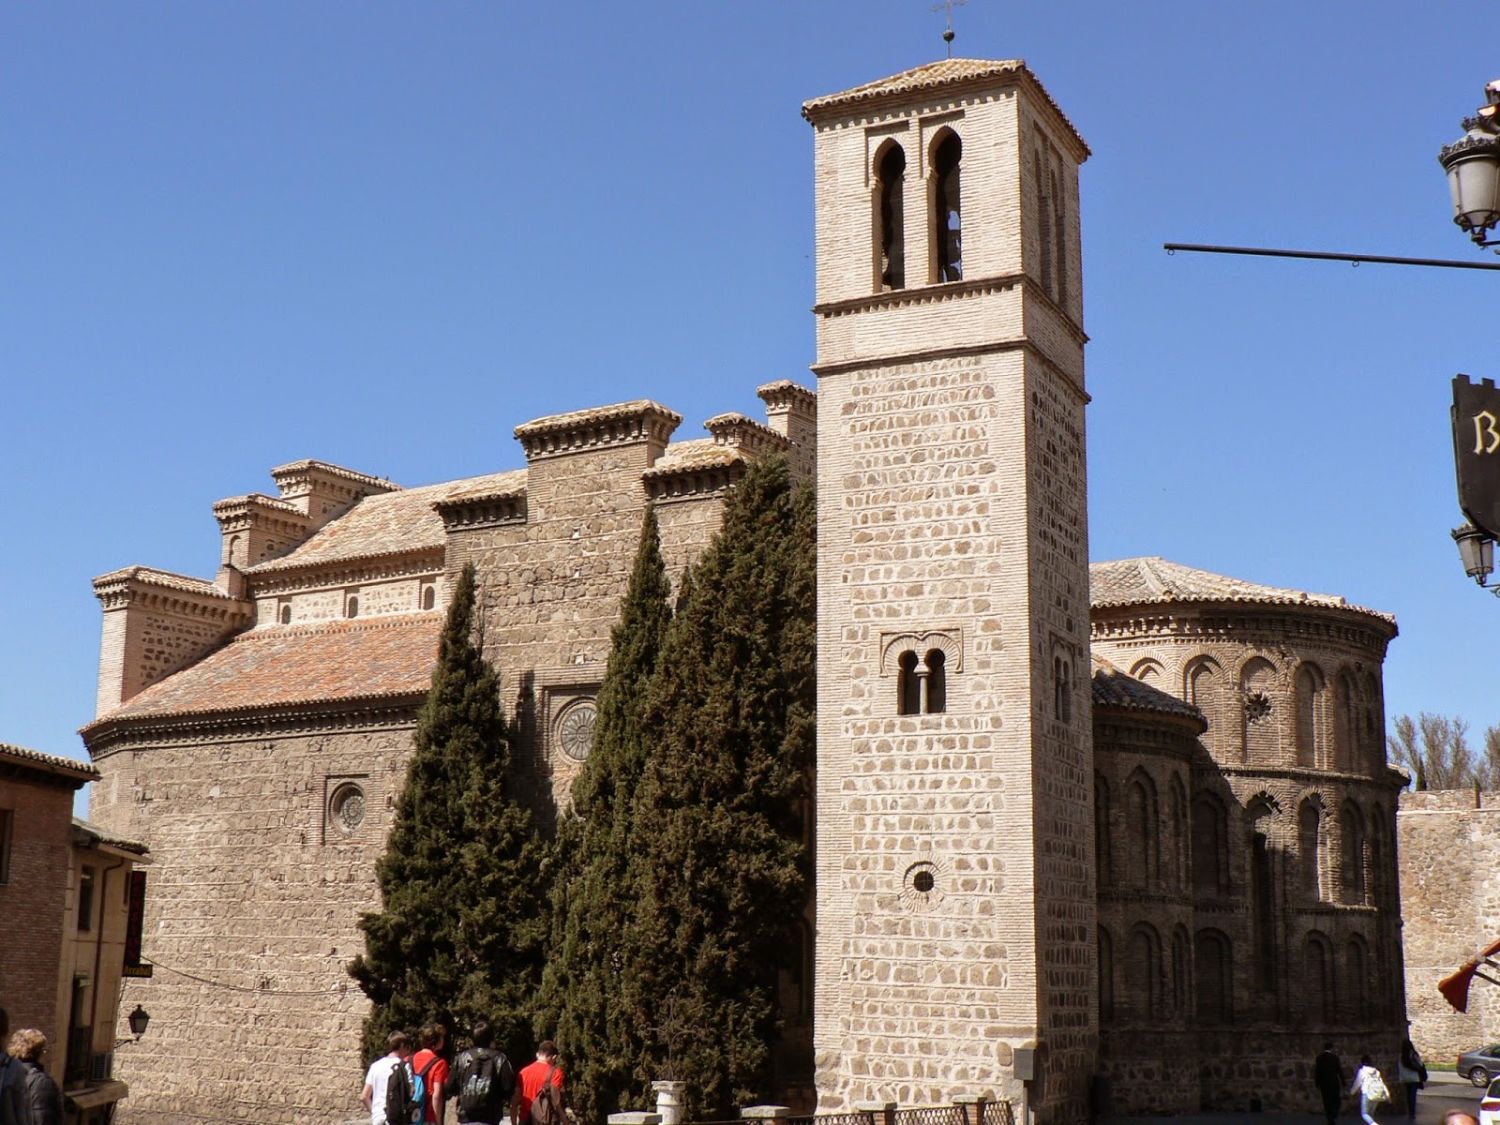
(170, 593)
(739, 432)
(626, 423)
(266, 513)
(466, 513)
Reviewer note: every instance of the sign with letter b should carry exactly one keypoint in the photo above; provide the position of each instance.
(1476, 451)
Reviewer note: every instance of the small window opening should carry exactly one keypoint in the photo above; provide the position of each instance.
(7, 822)
(429, 597)
(85, 900)
(1062, 689)
(352, 609)
(889, 175)
(937, 682)
(286, 615)
(908, 689)
(948, 216)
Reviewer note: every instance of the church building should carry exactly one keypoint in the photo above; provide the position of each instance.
(1120, 834)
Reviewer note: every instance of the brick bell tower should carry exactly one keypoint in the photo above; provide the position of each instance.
(956, 899)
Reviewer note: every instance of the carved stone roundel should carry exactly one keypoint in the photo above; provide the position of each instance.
(346, 808)
(575, 732)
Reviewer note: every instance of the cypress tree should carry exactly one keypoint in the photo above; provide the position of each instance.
(589, 992)
(720, 863)
(460, 933)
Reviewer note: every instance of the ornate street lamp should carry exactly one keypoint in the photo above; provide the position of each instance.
(1477, 552)
(138, 1020)
(1473, 167)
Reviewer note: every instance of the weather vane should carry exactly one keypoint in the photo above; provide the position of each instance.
(947, 7)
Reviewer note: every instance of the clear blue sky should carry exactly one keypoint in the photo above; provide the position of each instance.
(381, 234)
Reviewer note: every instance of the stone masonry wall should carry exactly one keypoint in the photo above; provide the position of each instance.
(250, 918)
(1450, 890)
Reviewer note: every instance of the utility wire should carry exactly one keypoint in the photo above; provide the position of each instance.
(241, 988)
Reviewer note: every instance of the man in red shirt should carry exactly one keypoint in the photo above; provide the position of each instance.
(429, 1063)
(531, 1080)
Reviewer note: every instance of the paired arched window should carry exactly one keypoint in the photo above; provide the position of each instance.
(890, 173)
(947, 211)
(922, 685)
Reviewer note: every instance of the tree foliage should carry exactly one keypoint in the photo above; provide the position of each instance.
(1435, 750)
(721, 857)
(690, 860)
(459, 937)
(583, 999)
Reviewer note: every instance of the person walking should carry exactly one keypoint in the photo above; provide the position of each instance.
(1328, 1077)
(539, 1091)
(430, 1065)
(1370, 1087)
(42, 1098)
(1413, 1076)
(378, 1077)
(482, 1080)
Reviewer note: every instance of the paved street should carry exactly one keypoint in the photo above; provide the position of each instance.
(1444, 1092)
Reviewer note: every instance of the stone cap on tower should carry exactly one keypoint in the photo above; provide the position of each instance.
(583, 431)
(946, 76)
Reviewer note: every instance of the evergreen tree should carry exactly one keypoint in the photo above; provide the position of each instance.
(721, 866)
(585, 999)
(460, 934)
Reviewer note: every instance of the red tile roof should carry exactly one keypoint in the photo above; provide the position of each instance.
(70, 768)
(387, 524)
(269, 669)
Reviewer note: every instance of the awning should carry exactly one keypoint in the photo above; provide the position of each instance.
(1455, 988)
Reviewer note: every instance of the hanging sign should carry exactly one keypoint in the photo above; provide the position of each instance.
(1476, 451)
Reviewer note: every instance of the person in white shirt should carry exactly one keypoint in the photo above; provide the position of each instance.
(1370, 1087)
(379, 1074)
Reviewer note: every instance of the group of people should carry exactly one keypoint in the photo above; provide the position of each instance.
(1368, 1084)
(403, 1087)
(28, 1095)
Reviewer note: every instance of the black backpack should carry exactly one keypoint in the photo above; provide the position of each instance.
(544, 1107)
(485, 1086)
(12, 1091)
(402, 1105)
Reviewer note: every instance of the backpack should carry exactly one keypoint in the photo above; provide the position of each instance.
(12, 1102)
(406, 1094)
(487, 1084)
(544, 1109)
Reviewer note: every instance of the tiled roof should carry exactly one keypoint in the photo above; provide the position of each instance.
(1114, 688)
(930, 77)
(700, 453)
(47, 763)
(387, 524)
(269, 669)
(154, 577)
(596, 414)
(1154, 580)
(98, 835)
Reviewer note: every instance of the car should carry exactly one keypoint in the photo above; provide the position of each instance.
(1489, 1105)
(1480, 1066)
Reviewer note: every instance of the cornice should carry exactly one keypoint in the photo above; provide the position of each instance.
(740, 432)
(1312, 778)
(784, 393)
(949, 291)
(348, 572)
(266, 513)
(470, 513)
(864, 363)
(1139, 731)
(694, 481)
(297, 477)
(106, 737)
(1246, 622)
(626, 423)
(169, 593)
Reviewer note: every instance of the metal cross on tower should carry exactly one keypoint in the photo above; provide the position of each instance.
(947, 7)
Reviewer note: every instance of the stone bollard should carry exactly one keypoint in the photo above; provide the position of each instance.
(635, 1119)
(767, 1113)
(669, 1101)
(879, 1113)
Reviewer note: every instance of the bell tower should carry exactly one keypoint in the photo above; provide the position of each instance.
(956, 917)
